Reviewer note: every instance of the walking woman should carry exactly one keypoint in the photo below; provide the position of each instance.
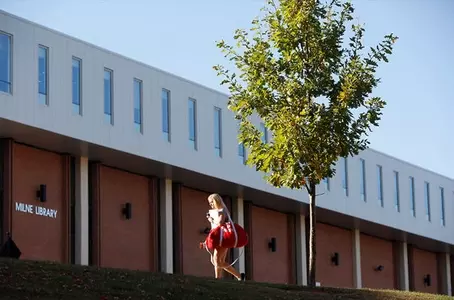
(224, 235)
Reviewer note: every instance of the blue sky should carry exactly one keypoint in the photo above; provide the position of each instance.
(179, 36)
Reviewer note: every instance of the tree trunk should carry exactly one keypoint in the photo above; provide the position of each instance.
(312, 244)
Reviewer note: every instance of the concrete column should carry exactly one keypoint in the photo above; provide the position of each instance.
(357, 258)
(81, 211)
(444, 273)
(166, 222)
(238, 217)
(301, 254)
(402, 266)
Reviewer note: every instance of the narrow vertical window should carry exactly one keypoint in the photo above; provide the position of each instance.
(138, 105)
(241, 147)
(165, 106)
(76, 85)
(380, 185)
(427, 200)
(345, 175)
(218, 131)
(396, 191)
(363, 179)
(442, 206)
(108, 96)
(5, 62)
(264, 131)
(192, 115)
(412, 197)
(242, 153)
(43, 75)
(326, 181)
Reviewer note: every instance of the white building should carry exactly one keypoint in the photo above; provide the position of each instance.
(73, 114)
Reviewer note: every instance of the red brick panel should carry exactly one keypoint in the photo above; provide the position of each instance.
(194, 205)
(330, 240)
(125, 243)
(424, 262)
(274, 267)
(40, 237)
(377, 252)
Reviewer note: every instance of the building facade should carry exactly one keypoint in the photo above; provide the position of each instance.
(107, 161)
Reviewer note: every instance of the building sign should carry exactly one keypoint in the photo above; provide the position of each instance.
(36, 210)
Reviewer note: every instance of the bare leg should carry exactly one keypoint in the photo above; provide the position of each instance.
(230, 268)
(222, 254)
(217, 268)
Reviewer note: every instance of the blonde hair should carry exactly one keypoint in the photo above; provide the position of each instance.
(217, 200)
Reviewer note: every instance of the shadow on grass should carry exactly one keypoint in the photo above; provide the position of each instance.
(46, 280)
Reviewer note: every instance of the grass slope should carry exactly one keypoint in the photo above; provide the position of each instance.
(43, 280)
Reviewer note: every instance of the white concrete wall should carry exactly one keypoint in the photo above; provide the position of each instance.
(371, 209)
(22, 106)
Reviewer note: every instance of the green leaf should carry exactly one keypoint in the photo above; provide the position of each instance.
(292, 56)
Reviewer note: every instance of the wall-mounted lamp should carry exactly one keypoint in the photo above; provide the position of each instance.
(379, 268)
(127, 210)
(205, 231)
(272, 244)
(41, 194)
(427, 280)
(335, 259)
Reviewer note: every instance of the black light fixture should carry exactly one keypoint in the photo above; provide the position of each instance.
(379, 268)
(335, 258)
(272, 244)
(127, 210)
(427, 280)
(41, 194)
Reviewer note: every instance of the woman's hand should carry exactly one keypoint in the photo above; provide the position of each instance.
(210, 219)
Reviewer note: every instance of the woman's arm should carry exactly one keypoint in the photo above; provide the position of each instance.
(221, 217)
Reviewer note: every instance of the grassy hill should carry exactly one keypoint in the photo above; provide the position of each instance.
(43, 280)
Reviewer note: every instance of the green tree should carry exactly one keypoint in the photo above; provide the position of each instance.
(311, 88)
